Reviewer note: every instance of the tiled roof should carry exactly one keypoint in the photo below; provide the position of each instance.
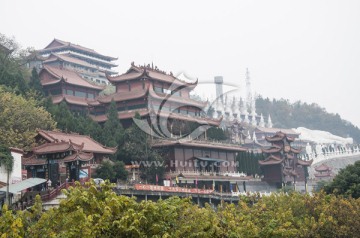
(323, 167)
(126, 76)
(81, 156)
(199, 144)
(56, 147)
(33, 161)
(279, 136)
(69, 77)
(90, 145)
(65, 44)
(140, 71)
(294, 150)
(122, 115)
(71, 100)
(271, 150)
(271, 160)
(304, 162)
(65, 57)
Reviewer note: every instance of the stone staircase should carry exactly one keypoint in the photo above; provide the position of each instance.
(55, 202)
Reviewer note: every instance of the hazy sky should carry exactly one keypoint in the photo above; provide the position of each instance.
(299, 50)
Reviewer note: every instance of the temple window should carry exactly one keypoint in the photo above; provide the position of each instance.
(69, 92)
(55, 91)
(158, 89)
(80, 94)
(192, 113)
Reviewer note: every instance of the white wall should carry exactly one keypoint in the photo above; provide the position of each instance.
(15, 176)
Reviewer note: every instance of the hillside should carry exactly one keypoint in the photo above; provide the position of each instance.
(292, 115)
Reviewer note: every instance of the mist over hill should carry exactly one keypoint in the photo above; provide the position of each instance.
(285, 114)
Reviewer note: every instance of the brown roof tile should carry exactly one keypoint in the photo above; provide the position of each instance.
(271, 160)
(81, 156)
(69, 44)
(33, 161)
(138, 71)
(304, 162)
(72, 100)
(69, 77)
(323, 167)
(55, 147)
(90, 145)
(65, 57)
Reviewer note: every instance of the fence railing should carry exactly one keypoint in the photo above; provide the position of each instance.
(46, 196)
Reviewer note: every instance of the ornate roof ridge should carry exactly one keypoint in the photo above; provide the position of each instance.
(80, 47)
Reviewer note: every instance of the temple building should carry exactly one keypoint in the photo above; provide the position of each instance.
(260, 134)
(87, 63)
(63, 155)
(163, 101)
(71, 73)
(152, 92)
(188, 155)
(68, 86)
(282, 165)
(323, 172)
(202, 164)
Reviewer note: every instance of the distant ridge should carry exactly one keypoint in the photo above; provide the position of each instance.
(299, 114)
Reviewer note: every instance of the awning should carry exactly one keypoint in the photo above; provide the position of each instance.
(28, 183)
(209, 159)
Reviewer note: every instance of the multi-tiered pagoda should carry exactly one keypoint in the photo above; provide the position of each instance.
(282, 165)
(88, 63)
(323, 172)
(66, 85)
(148, 90)
(72, 73)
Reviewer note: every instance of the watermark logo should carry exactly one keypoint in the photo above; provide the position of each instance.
(174, 114)
(185, 164)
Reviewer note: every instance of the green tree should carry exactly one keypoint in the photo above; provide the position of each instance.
(6, 161)
(112, 171)
(120, 171)
(35, 84)
(216, 133)
(106, 171)
(19, 119)
(137, 148)
(291, 115)
(12, 70)
(347, 182)
(113, 132)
